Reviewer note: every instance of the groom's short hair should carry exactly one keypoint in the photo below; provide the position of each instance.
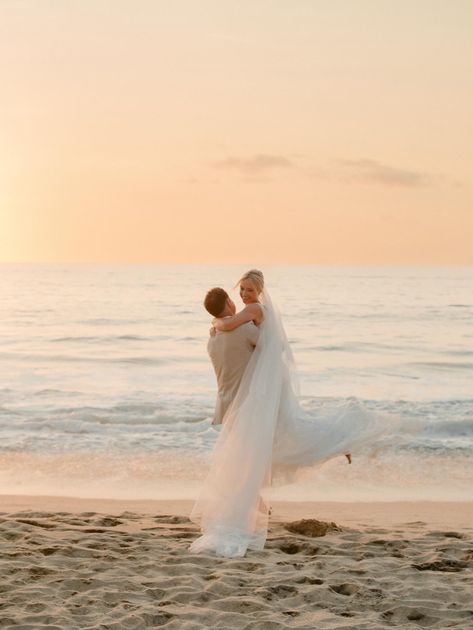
(215, 301)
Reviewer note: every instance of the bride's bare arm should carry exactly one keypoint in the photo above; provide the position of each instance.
(251, 313)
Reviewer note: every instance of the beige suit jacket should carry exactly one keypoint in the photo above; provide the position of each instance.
(230, 353)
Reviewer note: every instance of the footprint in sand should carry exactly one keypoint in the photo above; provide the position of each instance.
(448, 566)
(345, 589)
(169, 518)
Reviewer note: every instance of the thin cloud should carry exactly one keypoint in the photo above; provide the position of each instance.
(373, 171)
(256, 165)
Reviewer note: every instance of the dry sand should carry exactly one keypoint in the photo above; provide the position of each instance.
(90, 563)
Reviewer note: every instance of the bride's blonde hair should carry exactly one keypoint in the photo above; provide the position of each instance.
(256, 277)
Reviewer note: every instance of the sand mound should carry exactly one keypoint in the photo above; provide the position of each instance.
(311, 527)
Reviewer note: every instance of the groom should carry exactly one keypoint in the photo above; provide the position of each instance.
(229, 351)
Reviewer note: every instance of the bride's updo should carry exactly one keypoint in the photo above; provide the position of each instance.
(256, 277)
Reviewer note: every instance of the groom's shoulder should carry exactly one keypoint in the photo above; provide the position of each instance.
(243, 329)
(246, 331)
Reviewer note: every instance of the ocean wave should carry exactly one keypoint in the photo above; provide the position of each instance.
(443, 365)
(127, 415)
(457, 353)
(356, 347)
(104, 321)
(170, 359)
(443, 419)
(5, 411)
(106, 338)
(449, 428)
(55, 392)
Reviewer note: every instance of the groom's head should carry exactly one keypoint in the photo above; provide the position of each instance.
(218, 304)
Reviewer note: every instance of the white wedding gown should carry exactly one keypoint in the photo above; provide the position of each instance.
(265, 438)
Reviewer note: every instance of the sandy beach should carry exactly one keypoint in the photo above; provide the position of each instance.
(91, 563)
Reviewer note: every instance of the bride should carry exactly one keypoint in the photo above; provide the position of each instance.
(266, 436)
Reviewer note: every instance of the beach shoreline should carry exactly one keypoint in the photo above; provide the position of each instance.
(453, 514)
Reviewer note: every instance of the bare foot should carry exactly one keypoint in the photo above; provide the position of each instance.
(348, 456)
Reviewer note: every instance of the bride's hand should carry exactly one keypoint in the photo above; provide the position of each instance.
(217, 323)
(212, 331)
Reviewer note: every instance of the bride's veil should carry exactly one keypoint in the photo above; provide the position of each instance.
(232, 509)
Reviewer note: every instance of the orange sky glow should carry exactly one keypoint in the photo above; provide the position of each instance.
(213, 131)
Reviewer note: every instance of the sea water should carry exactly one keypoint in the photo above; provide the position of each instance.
(106, 389)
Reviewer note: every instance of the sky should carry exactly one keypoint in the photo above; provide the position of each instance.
(332, 132)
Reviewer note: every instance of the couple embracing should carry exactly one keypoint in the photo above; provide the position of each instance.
(265, 435)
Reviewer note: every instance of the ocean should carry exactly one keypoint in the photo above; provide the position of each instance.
(107, 391)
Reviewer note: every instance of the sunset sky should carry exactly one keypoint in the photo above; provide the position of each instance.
(230, 131)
